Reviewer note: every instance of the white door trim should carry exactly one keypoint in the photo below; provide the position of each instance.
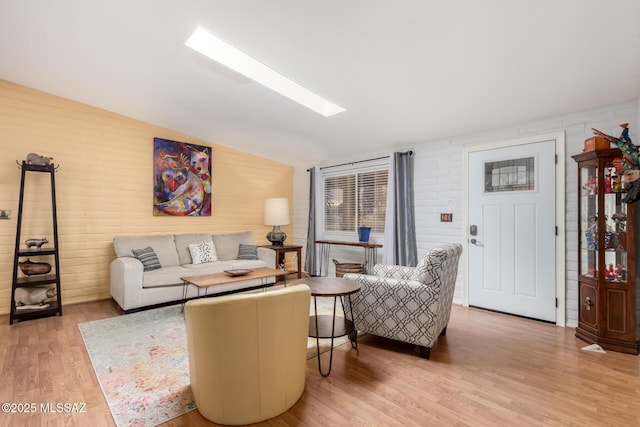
(561, 315)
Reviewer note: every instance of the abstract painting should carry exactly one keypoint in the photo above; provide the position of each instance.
(181, 179)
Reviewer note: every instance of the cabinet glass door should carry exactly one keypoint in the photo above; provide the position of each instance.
(616, 228)
(589, 221)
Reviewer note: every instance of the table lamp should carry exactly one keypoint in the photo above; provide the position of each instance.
(276, 213)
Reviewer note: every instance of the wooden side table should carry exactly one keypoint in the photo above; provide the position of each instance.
(280, 256)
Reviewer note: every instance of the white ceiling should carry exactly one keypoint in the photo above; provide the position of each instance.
(406, 71)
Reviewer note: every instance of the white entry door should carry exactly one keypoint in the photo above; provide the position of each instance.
(512, 230)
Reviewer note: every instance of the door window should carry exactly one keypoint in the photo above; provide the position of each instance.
(509, 175)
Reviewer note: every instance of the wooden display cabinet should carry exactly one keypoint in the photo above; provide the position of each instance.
(607, 281)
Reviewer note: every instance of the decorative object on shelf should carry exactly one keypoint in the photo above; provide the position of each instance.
(33, 296)
(31, 268)
(590, 188)
(620, 219)
(364, 231)
(349, 267)
(34, 159)
(363, 234)
(596, 143)
(36, 242)
(181, 179)
(276, 213)
(591, 234)
(238, 272)
(38, 160)
(630, 181)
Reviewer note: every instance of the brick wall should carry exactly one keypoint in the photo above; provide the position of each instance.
(104, 186)
(439, 185)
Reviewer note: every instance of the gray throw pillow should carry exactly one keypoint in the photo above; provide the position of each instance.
(247, 251)
(147, 257)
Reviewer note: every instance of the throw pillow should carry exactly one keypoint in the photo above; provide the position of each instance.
(203, 252)
(147, 257)
(247, 251)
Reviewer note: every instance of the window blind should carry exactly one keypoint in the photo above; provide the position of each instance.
(354, 199)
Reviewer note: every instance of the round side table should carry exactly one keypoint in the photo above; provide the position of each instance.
(331, 326)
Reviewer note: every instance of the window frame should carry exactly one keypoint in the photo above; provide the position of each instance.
(352, 170)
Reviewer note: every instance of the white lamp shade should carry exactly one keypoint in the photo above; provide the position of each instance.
(276, 211)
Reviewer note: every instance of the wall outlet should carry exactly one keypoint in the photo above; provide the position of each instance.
(5, 214)
(446, 217)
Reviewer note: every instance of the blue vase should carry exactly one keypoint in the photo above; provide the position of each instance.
(363, 234)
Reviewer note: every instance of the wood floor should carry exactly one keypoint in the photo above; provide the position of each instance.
(490, 369)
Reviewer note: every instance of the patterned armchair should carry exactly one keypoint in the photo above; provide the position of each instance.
(406, 303)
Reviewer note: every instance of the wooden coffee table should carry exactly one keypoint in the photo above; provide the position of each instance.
(331, 326)
(206, 281)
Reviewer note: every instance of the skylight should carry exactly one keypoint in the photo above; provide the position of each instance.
(209, 45)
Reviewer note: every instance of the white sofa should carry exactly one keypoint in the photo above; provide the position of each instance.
(133, 288)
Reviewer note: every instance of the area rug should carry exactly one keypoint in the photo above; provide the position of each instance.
(142, 365)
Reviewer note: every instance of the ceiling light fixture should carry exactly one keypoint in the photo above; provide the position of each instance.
(209, 45)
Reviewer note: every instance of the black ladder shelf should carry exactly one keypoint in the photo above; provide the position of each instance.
(41, 280)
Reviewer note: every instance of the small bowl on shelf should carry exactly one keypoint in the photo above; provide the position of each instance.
(31, 268)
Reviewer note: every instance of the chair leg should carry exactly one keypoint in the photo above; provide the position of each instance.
(444, 332)
(425, 352)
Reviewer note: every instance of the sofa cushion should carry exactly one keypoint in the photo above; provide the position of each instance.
(202, 252)
(182, 242)
(165, 276)
(248, 263)
(426, 271)
(163, 245)
(227, 245)
(147, 257)
(209, 267)
(247, 251)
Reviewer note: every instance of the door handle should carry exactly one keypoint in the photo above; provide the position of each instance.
(476, 242)
(588, 303)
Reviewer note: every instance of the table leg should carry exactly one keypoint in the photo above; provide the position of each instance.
(371, 256)
(353, 335)
(185, 285)
(324, 257)
(333, 332)
(264, 283)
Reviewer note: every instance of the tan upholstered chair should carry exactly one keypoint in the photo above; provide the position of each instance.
(247, 353)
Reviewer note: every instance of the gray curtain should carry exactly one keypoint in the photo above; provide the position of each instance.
(399, 247)
(311, 264)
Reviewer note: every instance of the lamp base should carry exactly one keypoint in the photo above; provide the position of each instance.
(276, 236)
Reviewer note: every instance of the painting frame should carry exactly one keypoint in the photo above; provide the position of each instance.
(181, 178)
